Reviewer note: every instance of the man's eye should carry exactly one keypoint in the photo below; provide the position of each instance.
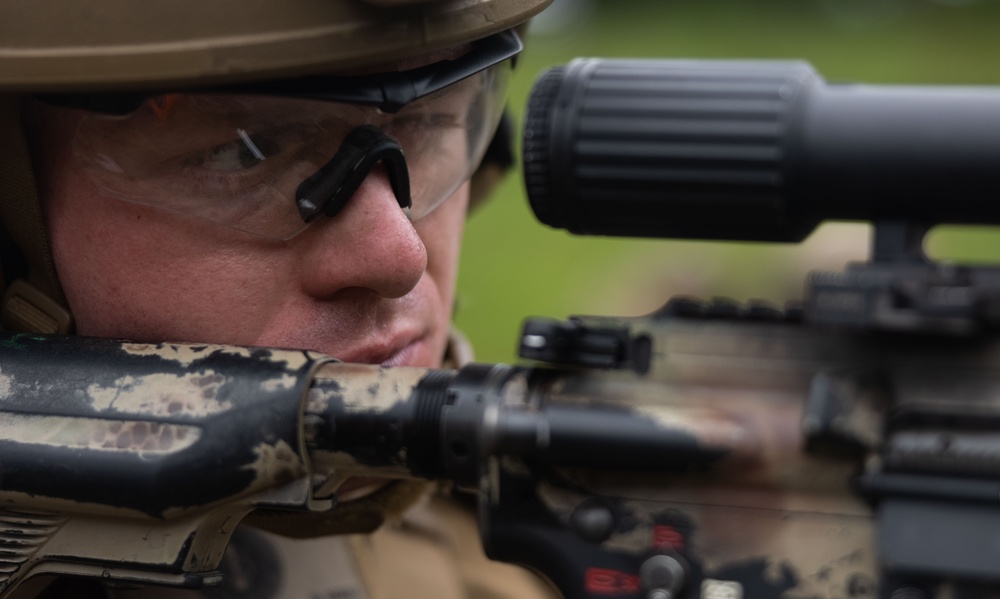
(240, 154)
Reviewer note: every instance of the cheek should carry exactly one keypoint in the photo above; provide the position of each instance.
(136, 272)
(131, 271)
(441, 232)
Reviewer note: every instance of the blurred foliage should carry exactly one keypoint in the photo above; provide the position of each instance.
(513, 267)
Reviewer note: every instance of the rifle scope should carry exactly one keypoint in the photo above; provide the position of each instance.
(752, 150)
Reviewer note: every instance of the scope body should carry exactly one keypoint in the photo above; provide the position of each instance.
(752, 150)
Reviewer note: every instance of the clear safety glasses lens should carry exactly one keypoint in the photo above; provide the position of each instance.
(237, 160)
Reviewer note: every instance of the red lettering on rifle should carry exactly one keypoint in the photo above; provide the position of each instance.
(667, 535)
(603, 581)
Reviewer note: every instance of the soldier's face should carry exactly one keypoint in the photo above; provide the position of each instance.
(366, 286)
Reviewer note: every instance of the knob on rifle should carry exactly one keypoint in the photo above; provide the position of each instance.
(663, 576)
(572, 343)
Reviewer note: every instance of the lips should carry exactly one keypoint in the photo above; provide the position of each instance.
(405, 352)
(406, 356)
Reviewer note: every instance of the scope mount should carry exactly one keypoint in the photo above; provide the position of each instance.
(901, 289)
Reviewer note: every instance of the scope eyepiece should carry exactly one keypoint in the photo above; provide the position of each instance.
(752, 150)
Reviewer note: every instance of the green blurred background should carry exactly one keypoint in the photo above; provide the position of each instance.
(513, 267)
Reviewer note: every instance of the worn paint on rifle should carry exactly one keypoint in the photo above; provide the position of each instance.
(277, 464)
(148, 439)
(362, 387)
(186, 354)
(5, 384)
(158, 394)
(341, 390)
(183, 354)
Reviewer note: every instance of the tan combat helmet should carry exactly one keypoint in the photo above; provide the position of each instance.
(55, 46)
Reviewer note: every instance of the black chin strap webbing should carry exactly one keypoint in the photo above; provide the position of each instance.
(34, 304)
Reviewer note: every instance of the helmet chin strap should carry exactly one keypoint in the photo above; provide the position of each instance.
(34, 303)
(329, 189)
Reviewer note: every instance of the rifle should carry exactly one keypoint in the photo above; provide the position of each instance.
(844, 447)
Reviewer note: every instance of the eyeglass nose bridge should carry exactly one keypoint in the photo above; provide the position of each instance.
(329, 189)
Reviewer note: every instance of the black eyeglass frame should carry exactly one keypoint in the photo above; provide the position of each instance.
(389, 92)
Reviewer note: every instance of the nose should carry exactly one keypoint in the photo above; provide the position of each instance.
(370, 244)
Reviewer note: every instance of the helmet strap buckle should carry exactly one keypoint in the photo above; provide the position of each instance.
(26, 308)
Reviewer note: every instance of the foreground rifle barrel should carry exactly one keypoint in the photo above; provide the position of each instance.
(171, 429)
(443, 424)
(166, 447)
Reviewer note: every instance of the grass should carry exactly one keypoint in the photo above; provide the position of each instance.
(512, 267)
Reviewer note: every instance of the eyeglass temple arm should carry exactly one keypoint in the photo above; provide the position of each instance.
(329, 189)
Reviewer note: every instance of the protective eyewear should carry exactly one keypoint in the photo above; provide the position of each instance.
(242, 155)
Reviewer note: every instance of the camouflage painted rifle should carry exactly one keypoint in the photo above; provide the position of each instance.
(843, 448)
(736, 452)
